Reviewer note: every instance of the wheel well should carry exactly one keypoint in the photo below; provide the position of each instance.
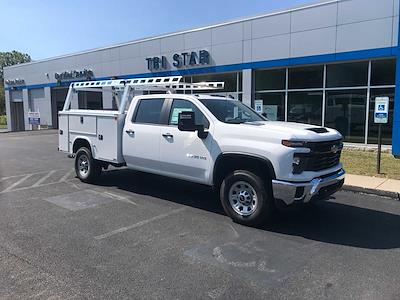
(79, 143)
(227, 163)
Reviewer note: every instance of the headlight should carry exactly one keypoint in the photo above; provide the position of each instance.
(294, 144)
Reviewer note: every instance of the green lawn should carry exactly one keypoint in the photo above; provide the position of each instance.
(364, 163)
(3, 122)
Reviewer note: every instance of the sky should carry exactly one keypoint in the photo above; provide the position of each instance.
(48, 28)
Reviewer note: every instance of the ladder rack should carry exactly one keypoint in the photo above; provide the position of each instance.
(171, 83)
(168, 84)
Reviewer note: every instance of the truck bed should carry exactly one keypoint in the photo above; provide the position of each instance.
(101, 128)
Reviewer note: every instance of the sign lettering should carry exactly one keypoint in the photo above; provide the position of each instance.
(180, 60)
(74, 74)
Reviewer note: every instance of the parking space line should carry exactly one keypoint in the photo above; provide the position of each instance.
(29, 187)
(138, 224)
(16, 183)
(21, 175)
(44, 178)
(64, 178)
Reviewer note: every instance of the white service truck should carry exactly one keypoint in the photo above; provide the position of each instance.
(255, 164)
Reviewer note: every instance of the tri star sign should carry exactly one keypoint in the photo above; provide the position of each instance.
(381, 114)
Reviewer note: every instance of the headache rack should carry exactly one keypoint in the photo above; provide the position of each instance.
(170, 84)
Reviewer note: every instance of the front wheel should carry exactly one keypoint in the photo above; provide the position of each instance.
(87, 169)
(245, 198)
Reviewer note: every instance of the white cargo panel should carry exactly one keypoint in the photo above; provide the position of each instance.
(105, 147)
(63, 134)
(102, 129)
(82, 124)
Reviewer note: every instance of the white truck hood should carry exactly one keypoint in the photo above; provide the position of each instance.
(296, 131)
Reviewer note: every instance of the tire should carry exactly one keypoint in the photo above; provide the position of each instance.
(254, 204)
(86, 168)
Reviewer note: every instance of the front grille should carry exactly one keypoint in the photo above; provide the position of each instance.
(318, 162)
(323, 155)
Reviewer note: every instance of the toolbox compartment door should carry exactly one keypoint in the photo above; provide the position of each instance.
(63, 133)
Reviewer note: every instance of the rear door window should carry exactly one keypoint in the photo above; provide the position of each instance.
(149, 111)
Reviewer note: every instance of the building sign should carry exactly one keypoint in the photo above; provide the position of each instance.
(179, 60)
(74, 74)
(258, 106)
(34, 117)
(15, 81)
(381, 114)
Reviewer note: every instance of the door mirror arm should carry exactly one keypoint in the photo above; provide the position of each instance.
(201, 132)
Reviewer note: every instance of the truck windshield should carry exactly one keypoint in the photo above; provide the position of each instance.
(231, 111)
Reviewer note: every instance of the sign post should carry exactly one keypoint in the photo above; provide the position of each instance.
(34, 118)
(381, 116)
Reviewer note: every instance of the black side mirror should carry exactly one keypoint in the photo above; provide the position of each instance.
(264, 114)
(186, 122)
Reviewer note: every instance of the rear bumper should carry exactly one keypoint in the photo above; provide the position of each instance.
(303, 192)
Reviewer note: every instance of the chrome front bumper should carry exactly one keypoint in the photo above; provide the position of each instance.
(303, 192)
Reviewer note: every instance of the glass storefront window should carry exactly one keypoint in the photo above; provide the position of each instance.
(386, 128)
(230, 79)
(273, 105)
(347, 75)
(270, 80)
(305, 107)
(346, 89)
(345, 111)
(383, 72)
(306, 77)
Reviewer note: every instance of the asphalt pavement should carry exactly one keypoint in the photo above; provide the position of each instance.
(139, 236)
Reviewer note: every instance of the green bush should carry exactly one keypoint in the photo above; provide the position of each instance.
(3, 120)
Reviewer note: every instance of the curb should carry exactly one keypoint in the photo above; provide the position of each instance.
(357, 189)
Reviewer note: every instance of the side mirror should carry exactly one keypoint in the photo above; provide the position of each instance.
(264, 114)
(186, 122)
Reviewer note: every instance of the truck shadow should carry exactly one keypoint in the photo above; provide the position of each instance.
(328, 221)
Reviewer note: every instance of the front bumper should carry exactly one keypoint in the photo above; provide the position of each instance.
(303, 192)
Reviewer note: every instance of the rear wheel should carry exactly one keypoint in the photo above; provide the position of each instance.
(87, 169)
(245, 198)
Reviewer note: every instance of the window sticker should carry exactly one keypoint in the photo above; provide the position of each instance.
(175, 113)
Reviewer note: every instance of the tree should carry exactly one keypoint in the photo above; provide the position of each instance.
(9, 59)
(2, 99)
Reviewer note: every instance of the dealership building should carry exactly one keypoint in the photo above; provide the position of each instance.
(323, 64)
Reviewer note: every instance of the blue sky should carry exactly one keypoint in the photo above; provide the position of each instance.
(46, 28)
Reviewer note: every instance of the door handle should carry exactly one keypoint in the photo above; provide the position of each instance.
(167, 135)
(129, 131)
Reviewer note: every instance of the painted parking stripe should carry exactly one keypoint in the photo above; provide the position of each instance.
(21, 175)
(43, 179)
(17, 183)
(65, 177)
(30, 187)
(138, 224)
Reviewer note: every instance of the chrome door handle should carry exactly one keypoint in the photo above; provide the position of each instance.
(129, 131)
(167, 135)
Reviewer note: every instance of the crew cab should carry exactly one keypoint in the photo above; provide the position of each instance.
(254, 163)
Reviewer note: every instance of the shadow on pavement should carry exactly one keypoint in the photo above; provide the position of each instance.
(328, 222)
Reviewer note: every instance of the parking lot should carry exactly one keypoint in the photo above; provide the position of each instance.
(139, 236)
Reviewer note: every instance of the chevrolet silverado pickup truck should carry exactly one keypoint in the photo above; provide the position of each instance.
(211, 140)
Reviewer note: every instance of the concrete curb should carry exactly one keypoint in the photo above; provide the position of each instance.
(357, 189)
